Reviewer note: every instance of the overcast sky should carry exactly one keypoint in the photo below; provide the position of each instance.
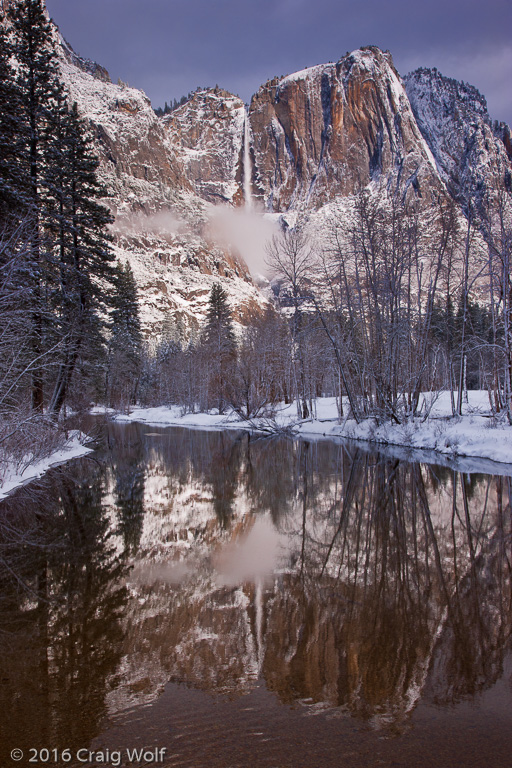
(168, 47)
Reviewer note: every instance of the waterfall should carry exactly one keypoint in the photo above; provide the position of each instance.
(247, 166)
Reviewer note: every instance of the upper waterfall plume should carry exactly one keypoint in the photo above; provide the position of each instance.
(247, 165)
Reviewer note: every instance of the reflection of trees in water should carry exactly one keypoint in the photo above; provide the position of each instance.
(394, 566)
(222, 473)
(469, 655)
(399, 583)
(61, 611)
(378, 584)
(129, 467)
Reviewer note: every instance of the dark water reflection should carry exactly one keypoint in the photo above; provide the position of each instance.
(368, 591)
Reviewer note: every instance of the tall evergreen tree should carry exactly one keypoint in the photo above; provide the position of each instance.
(40, 91)
(77, 224)
(219, 331)
(14, 279)
(13, 133)
(125, 347)
(219, 346)
(49, 185)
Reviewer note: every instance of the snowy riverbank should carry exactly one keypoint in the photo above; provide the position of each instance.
(13, 477)
(475, 434)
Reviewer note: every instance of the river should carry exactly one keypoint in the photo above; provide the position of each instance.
(219, 600)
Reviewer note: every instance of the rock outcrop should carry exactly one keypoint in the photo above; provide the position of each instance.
(331, 129)
(207, 132)
(472, 155)
(323, 133)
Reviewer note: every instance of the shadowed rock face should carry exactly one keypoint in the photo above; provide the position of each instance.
(207, 131)
(328, 130)
(473, 155)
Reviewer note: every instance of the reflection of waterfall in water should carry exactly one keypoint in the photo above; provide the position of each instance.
(247, 166)
(258, 599)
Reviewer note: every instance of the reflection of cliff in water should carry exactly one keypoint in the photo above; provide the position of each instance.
(380, 563)
(341, 578)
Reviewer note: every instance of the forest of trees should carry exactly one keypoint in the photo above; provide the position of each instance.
(396, 303)
(61, 293)
(175, 103)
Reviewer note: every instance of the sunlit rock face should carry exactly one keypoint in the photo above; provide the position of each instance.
(323, 133)
(330, 130)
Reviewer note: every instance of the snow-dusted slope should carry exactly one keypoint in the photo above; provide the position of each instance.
(162, 226)
(207, 132)
(470, 152)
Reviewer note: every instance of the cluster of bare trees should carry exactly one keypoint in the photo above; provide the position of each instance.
(379, 283)
(417, 301)
(395, 302)
(219, 369)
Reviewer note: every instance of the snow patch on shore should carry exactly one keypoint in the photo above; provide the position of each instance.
(475, 434)
(72, 449)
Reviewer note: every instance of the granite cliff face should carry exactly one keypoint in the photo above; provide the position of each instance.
(307, 141)
(328, 130)
(321, 134)
(162, 225)
(472, 153)
(207, 132)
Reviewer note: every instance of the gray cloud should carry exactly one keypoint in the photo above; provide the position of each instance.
(168, 47)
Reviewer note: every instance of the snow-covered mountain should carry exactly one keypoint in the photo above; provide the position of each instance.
(327, 130)
(307, 141)
(162, 225)
(322, 133)
(473, 154)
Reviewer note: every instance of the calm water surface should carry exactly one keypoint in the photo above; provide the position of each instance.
(242, 602)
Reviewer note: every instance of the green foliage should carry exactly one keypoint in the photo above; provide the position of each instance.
(219, 349)
(219, 332)
(12, 131)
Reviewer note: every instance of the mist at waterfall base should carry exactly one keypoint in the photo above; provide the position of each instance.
(165, 222)
(251, 557)
(245, 231)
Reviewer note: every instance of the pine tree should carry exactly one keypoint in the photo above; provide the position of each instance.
(125, 348)
(39, 90)
(13, 192)
(219, 346)
(77, 223)
(49, 185)
(14, 278)
(219, 330)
